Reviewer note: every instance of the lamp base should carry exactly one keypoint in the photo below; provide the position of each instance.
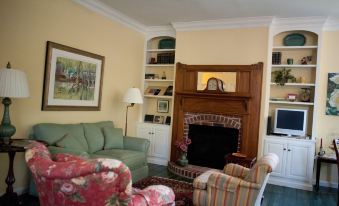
(6, 129)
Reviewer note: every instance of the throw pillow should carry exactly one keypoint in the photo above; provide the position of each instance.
(114, 138)
(68, 141)
(94, 136)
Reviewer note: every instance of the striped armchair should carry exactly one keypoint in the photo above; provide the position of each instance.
(235, 185)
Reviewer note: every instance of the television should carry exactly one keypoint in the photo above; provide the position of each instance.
(291, 122)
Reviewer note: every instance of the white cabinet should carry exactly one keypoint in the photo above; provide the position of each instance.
(159, 137)
(295, 168)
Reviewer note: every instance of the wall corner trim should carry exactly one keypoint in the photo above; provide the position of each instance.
(112, 14)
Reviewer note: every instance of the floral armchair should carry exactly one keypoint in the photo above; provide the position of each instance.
(74, 181)
(236, 185)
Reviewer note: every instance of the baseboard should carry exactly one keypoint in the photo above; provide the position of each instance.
(290, 183)
(157, 161)
(18, 190)
(324, 183)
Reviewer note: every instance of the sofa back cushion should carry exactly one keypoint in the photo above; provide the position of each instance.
(114, 138)
(94, 135)
(51, 133)
(68, 141)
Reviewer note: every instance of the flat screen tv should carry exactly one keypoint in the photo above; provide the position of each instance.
(290, 121)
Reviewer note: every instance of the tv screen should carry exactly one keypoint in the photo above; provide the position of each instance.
(290, 121)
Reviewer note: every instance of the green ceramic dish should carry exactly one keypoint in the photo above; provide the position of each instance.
(294, 39)
(166, 44)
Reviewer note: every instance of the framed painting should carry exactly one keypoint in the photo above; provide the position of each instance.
(73, 79)
(332, 100)
(163, 106)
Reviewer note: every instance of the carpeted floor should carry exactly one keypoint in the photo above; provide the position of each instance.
(183, 190)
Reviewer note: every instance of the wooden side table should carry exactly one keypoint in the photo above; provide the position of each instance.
(10, 198)
(243, 161)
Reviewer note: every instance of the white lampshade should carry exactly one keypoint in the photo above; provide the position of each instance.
(13, 83)
(133, 95)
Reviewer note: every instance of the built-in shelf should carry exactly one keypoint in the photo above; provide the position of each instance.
(294, 65)
(296, 84)
(159, 65)
(158, 96)
(158, 80)
(293, 47)
(160, 50)
(289, 102)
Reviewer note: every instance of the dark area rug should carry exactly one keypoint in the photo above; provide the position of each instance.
(183, 190)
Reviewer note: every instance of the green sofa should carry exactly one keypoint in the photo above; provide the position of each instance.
(95, 140)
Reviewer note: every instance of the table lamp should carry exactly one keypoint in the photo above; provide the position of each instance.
(132, 96)
(13, 84)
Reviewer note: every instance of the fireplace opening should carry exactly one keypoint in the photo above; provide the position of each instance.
(210, 144)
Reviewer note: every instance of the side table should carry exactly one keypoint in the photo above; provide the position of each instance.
(243, 161)
(10, 197)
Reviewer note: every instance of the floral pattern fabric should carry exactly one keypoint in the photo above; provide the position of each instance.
(75, 181)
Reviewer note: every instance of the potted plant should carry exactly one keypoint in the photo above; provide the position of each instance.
(182, 146)
(283, 76)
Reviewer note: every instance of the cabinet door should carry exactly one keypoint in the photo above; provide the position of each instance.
(279, 148)
(145, 131)
(161, 142)
(298, 161)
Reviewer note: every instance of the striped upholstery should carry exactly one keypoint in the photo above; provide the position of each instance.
(236, 185)
(236, 170)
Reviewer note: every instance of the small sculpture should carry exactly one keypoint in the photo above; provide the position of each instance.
(306, 60)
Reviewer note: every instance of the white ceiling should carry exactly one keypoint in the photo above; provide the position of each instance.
(164, 12)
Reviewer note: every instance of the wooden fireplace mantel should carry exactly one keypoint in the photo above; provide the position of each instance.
(243, 103)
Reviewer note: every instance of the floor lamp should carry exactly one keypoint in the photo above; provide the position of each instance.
(132, 96)
(13, 84)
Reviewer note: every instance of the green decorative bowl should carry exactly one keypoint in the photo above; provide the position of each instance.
(166, 44)
(294, 39)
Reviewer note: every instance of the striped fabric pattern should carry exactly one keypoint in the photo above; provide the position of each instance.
(236, 170)
(200, 182)
(235, 186)
(263, 166)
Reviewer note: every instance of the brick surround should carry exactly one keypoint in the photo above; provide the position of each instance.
(212, 120)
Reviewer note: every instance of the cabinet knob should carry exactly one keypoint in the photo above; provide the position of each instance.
(284, 149)
(289, 150)
(149, 132)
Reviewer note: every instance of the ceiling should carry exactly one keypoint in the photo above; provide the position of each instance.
(164, 12)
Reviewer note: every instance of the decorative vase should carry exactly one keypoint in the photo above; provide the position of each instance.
(182, 161)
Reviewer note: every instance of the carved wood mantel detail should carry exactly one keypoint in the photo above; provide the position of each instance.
(243, 103)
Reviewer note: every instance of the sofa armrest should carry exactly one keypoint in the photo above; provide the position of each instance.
(236, 170)
(56, 150)
(200, 182)
(137, 144)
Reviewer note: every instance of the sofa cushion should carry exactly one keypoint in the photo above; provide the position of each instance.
(114, 138)
(68, 141)
(94, 137)
(51, 133)
(133, 159)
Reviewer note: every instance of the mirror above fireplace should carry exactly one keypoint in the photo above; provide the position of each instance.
(229, 80)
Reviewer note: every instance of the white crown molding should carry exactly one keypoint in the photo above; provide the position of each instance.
(112, 14)
(331, 24)
(299, 23)
(247, 22)
(153, 31)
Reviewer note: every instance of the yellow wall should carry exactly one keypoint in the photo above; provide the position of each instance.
(327, 125)
(25, 28)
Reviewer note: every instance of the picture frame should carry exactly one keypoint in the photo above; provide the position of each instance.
(73, 79)
(168, 120)
(149, 118)
(158, 119)
(332, 105)
(163, 106)
(292, 97)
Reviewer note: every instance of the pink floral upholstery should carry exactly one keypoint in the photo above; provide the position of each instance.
(75, 181)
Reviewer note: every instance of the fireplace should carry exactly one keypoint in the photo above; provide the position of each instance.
(236, 114)
(213, 136)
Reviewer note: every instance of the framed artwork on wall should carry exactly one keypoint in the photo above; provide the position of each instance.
(163, 106)
(73, 79)
(332, 100)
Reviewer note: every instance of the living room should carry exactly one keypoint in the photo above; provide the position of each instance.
(26, 26)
